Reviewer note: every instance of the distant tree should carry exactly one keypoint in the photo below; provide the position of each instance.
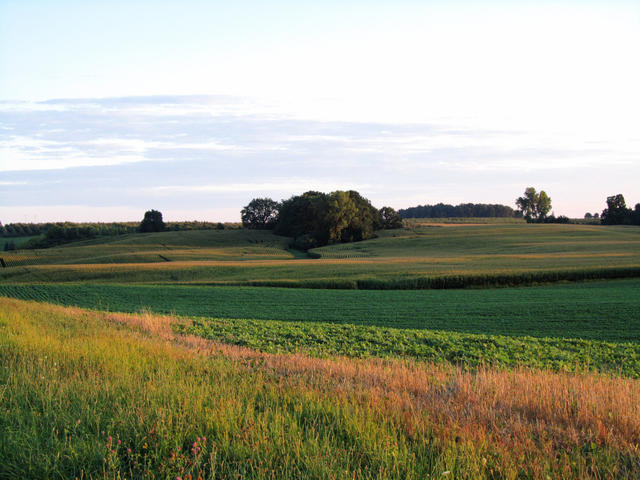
(260, 213)
(389, 218)
(534, 206)
(588, 216)
(442, 210)
(616, 212)
(152, 222)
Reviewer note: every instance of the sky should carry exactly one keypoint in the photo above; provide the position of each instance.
(193, 108)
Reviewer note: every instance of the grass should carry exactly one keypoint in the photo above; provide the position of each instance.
(17, 241)
(192, 245)
(103, 395)
(599, 310)
(427, 257)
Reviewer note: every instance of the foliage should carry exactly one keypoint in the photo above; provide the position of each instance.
(469, 350)
(260, 213)
(617, 212)
(315, 218)
(152, 222)
(463, 210)
(389, 218)
(534, 206)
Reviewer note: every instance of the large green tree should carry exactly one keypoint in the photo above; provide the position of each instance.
(389, 218)
(260, 213)
(316, 218)
(152, 222)
(616, 212)
(534, 206)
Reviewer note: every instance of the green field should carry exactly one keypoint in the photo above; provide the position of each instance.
(594, 310)
(408, 258)
(17, 241)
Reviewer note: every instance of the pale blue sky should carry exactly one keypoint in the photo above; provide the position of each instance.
(195, 107)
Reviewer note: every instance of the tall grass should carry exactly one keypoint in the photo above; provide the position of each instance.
(93, 395)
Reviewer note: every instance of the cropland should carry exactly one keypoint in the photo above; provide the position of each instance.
(441, 350)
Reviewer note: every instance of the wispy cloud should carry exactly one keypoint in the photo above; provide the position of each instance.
(195, 150)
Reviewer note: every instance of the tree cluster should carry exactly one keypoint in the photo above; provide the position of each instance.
(534, 206)
(617, 212)
(316, 218)
(441, 210)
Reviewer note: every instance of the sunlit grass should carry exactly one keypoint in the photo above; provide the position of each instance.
(93, 395)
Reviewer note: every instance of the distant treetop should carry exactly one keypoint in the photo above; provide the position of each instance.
(152, 222)
(465, 210)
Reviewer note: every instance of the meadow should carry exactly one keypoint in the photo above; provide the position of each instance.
(104, 395)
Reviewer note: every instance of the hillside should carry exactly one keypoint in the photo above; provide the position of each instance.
(492, 254)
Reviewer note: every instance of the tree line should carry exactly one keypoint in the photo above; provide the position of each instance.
(443, 210)
(58, 233)
(315, 218)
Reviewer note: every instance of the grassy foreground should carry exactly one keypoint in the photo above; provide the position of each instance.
(100, 395)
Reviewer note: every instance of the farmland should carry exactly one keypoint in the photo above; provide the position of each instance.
(490, 254)
(381, 370)
(594, 310)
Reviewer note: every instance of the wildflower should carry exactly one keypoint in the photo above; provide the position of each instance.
(119, 442)
(195, 444)
(78, 421)
(198, 439)
(110, 438)
(128, 450)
